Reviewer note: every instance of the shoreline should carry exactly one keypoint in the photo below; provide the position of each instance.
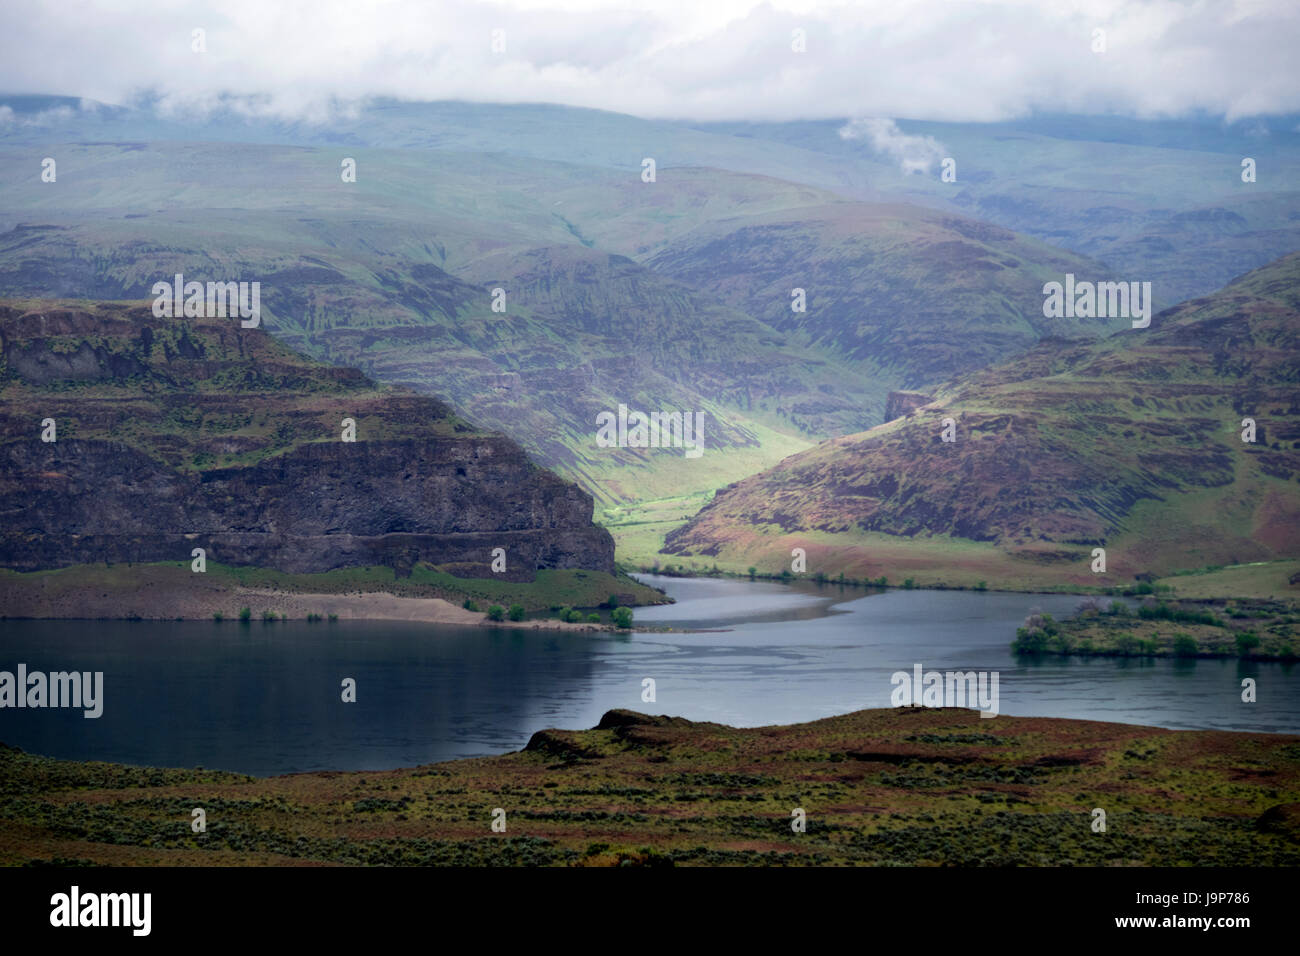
(914, 709)
(383, 606)
(869, 586)
(1224, 582)
(961, 713)
(173, 592)
(203, 605)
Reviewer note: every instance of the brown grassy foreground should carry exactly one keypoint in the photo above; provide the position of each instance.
(920, 787)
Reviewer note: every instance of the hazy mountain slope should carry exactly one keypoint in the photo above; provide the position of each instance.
(395, 274)
(1161, 199)
(916, 296)
(535, 131)
(1132, 443)
(1186, 252)
(1079, 182)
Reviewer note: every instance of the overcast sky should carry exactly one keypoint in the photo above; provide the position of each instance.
(693, 59)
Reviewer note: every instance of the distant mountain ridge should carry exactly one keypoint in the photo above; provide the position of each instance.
(1116, 189)
(608, 297)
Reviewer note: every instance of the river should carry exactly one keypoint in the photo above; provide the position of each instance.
(266, 698)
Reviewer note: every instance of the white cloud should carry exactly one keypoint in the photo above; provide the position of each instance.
(914, 154)
(48, 117)
(715, 59)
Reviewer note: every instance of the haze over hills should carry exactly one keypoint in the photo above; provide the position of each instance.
(1132, 443)
(667, 295)
(395, 274)
(1161, 197)
(914, 296)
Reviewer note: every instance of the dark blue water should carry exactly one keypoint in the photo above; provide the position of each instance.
(265, 698)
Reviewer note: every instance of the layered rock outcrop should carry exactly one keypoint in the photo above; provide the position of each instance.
(177, 434)
(899, 404)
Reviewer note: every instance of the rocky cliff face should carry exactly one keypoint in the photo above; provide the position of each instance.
(1137, 443)
(899, 404)
(173, 434)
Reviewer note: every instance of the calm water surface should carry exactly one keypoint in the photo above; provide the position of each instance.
(265, 698)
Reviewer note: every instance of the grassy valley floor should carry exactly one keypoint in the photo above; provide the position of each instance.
(883, 787)
(864, 558)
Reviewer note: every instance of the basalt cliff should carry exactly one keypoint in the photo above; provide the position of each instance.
(1172, 448)
(126, 438)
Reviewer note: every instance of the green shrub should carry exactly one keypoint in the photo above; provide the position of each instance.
(516, 612)
(245, 614)
(218, 616)
(909, 584)
(1127, 644)
(268, 616)
(1184, 645)
(1029, 641)
(470, 604)
(1247, 641)
(496, 613)
(333, 617)
(593, 618)
(622, 617)
(1059, 644)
